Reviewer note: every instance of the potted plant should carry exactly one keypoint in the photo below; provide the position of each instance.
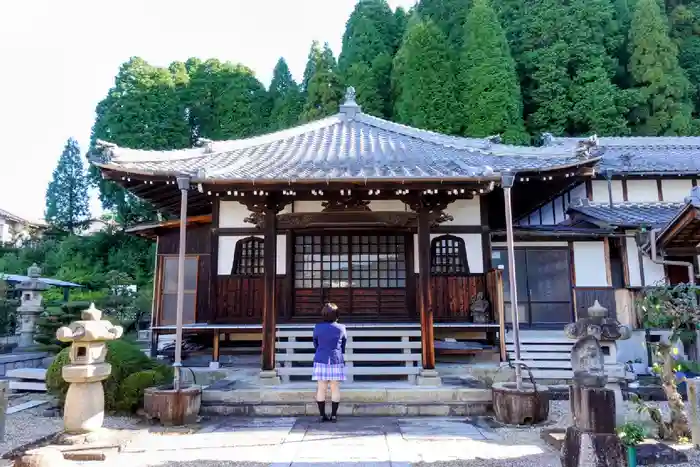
(631, 435)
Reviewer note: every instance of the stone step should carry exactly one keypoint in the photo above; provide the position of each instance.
(34, 374)
(27, 386)
(390, 400)
(456, 409)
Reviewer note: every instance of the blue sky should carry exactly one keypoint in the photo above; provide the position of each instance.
(60, 57)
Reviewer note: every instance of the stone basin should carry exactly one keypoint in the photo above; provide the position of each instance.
(527, 405)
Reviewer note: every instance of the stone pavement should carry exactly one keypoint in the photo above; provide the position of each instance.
(352, 442)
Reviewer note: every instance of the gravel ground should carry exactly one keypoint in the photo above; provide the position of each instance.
(30, 425)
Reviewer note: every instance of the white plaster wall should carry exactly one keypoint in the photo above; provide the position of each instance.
(232, 214)
(653, 273)
(600, 191)
(547, 214)
(559, 208)
(472, 242)
(676, 190)
(533, 244)
(308, 206)
(227, 249)
(388, 205)
(465, 212)
(635, 273)
(642, 190)
(589, 264)
(579, 191)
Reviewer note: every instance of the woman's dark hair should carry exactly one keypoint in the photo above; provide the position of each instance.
(329, 312)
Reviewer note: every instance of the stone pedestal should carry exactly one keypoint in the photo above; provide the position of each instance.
(592, 440)
(269, 378)
(429, 378)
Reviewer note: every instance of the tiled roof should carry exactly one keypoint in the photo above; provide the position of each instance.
(347, 146)
(654, 214)
(642, 154)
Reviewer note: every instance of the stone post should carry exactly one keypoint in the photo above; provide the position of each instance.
(30, 307)
(694, 412)
(4, 393)
(84, 408)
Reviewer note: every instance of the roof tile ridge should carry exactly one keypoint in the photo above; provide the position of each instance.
(280, 135)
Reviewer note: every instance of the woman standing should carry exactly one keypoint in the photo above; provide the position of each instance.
(330, 338)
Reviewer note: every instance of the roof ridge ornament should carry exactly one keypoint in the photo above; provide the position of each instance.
(694, 197)
(104, 150)
(350, 107)
(585, 147)
(207, 144)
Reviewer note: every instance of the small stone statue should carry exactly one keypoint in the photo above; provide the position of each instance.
(480, 309)
(85, 400)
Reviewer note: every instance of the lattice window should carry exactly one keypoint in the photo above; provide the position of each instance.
(356, 261)
(448, 256)
(248, 260)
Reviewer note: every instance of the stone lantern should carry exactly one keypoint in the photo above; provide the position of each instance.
(591, 440)
(30, 307)
(85, 400)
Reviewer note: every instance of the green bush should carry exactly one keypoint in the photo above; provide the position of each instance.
(126, 360)
(132, 388)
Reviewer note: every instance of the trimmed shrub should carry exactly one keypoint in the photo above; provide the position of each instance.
(132, 388)
(126, 360)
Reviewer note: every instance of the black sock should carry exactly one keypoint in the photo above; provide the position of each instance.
(334, 408)
(321, 408)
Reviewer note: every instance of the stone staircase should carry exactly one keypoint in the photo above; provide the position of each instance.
(357, 399)
(546, 353)
(373, 353)
(27, 379)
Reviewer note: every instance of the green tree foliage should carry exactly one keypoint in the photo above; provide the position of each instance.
(369, 43)
(423, 80)
(225, 101)
(286, 98)
(490, 91)
(67, 194)
(169, 108)
(323, 87)
(664, 91)
(143, 110)
(448, 15)
(565, 54)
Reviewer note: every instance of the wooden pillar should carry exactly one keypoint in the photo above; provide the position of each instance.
(425, 307)
(269, 319)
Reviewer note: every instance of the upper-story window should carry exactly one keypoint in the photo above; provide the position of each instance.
(248, 257)
(448, 256)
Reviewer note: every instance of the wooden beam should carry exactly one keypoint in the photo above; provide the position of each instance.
(608, 266)
(659, 189)
(425, 302)
(625, 196)
(214, 261)
(269, 324)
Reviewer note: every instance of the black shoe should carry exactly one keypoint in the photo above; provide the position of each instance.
(324, 419)
(334, 418)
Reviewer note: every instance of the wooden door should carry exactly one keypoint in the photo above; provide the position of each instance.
(365, 275)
